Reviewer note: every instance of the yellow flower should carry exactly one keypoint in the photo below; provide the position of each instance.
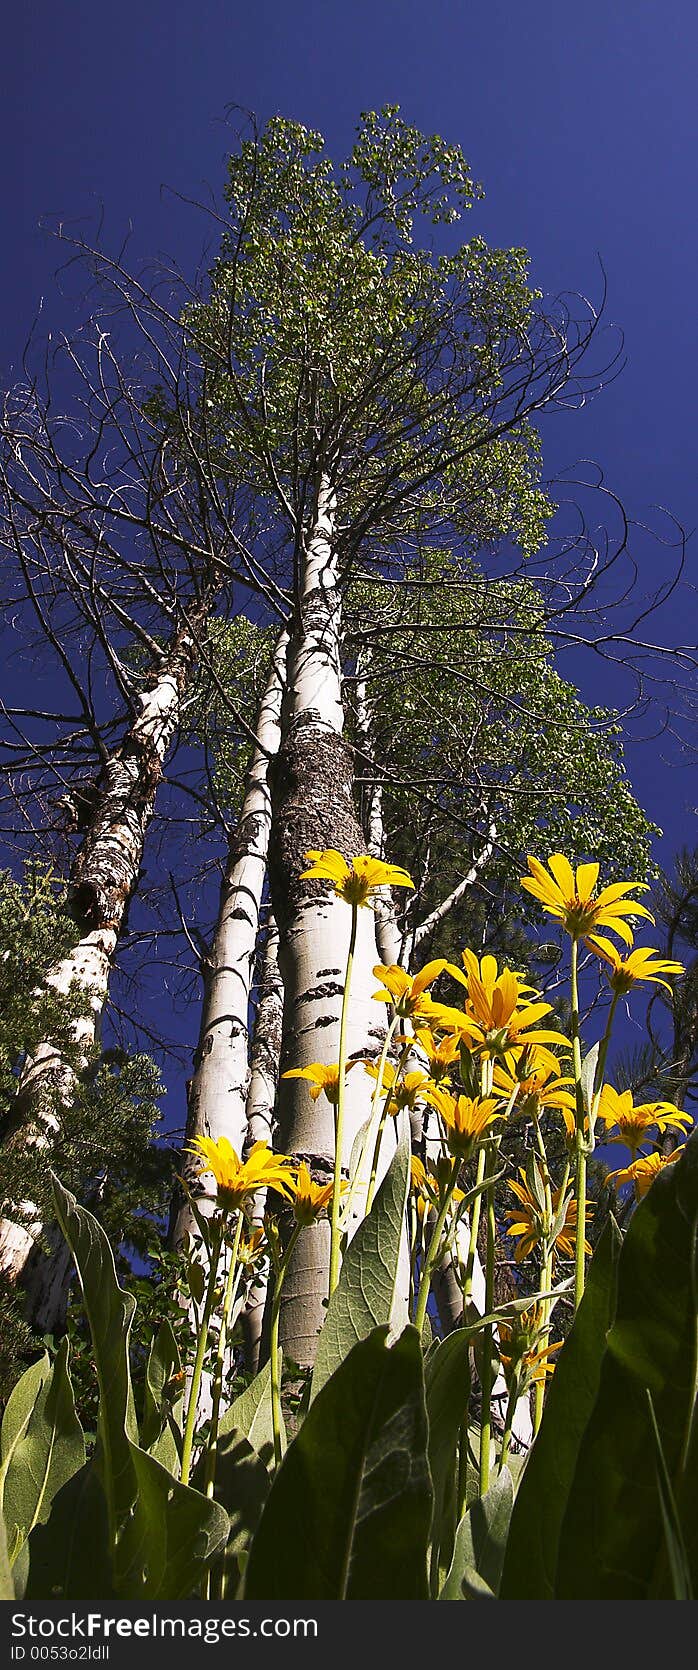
(310, 1199)
(641, 964)
(496, 1012)
(356, 879)
(492, 997)
(322, 1076)
(418, 1172)
(429, 1184)
(642, 1172)
(540, 1088)
(440, 1055)
(405, 1092)
(511, 1034)
(569, 896)
(518, 1339)
(237, 1179)
(616, 1109)
(252, 1250)
(528, 1222)
(467, 1119)
(421, 1187)
(404, 991)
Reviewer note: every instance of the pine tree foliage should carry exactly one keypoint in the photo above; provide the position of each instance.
(104, 1148)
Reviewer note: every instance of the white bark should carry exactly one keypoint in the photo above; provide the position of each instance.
(388, 937)
(313, 808)
(217, 1101)
(266, 1044)
(430, 923)
(261, 1098)
(104, 875)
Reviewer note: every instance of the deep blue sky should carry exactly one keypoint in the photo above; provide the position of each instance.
(581, 122)
(581, 125)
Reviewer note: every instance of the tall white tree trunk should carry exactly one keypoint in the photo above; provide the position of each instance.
(313, 807)
(261, 1099)
(388, 936)
(104, 876)
(217, 1101)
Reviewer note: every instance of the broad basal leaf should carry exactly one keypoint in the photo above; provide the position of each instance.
(480, 1543)
(242, 1486)
(70, 1554)
(349, 1511)
(42, 1445)
(162, 1534)
(612, 1542)
(367, 1294)
(7, 1588)
(163, 1399)
(250, 1414)
(541, 1499)
(447, 1385)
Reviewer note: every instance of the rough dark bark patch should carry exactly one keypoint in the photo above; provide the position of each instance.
(105, 870)
(104, 873)
(313, 807)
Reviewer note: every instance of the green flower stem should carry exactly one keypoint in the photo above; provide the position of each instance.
(508, 1425)
(432, 1252)
(339, 1115)
(486, 1379)
(486, 1073)
(474, 1227)
(565, 1179)
(539, 1397)
(275, 1355)
(580, 1183)
(546, 1277)
(348, 1197)
(231, 1288)
(601, 1065)
(202, 1342)
(381, 1127)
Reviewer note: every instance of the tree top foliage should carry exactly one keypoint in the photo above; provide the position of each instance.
(333, 339)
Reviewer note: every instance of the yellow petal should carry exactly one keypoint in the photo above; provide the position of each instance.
(587, 877)
(562, 870)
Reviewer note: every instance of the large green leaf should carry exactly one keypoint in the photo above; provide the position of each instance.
(349, 1511)
(42, 1449)
(368, 1292)
(161, 1424)
(251, 1415)
(682, 1588)
(480, 1543)
(162, 1534)
(612, 1544)
(244, 1466)
(171, 1536)
(534, 1534)
(447, 1385)
(70, 1555)
(109, 1313)
(685, 1491)
(7, 1588)
(18, 1413)
(243, 1483)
